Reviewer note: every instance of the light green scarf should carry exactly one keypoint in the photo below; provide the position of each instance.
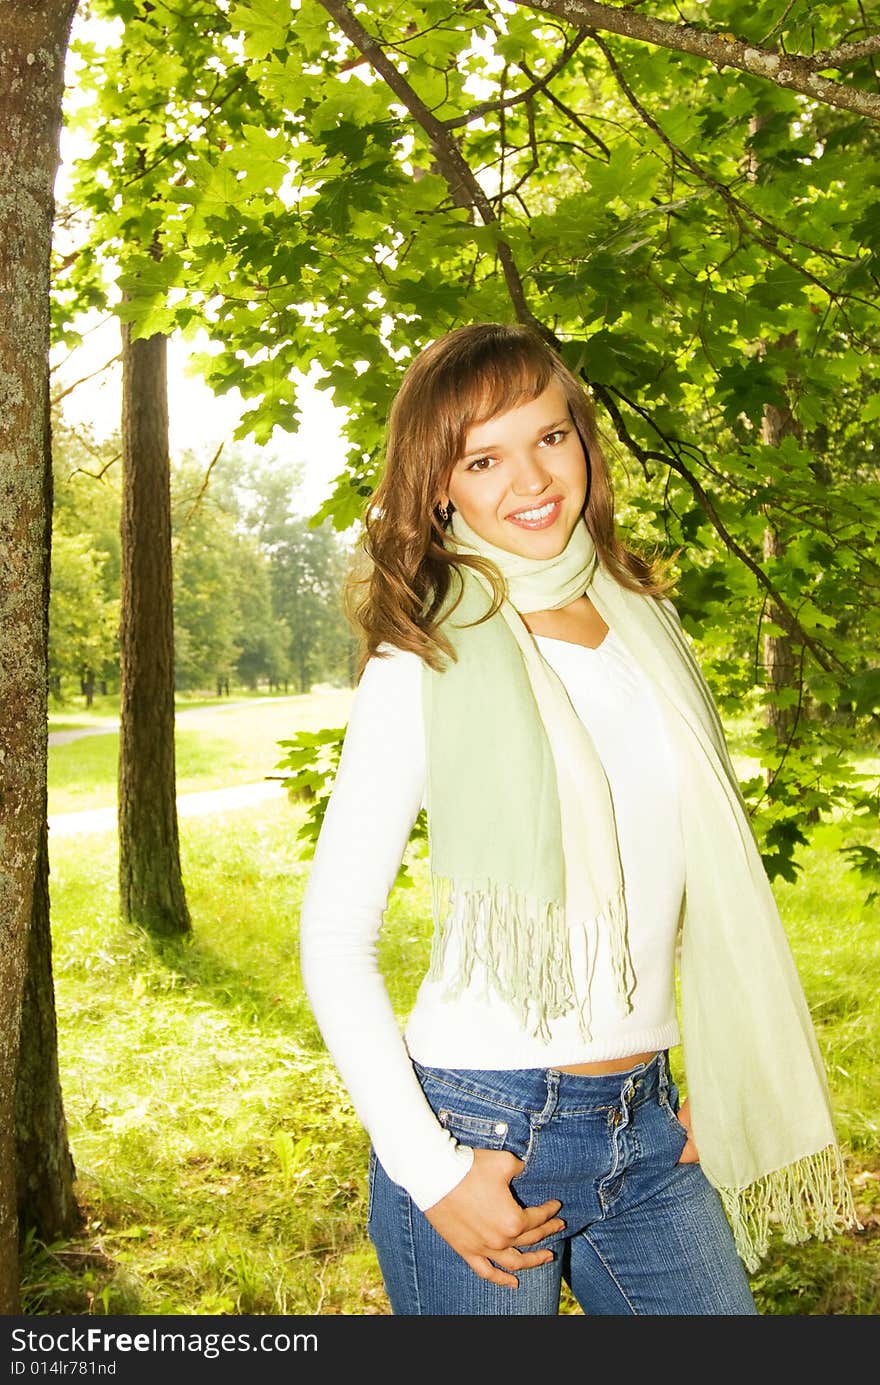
(523, 851)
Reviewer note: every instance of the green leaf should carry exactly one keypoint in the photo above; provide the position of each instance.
(263, 24)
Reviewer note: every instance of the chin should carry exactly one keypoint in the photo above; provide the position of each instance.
(539, 543)
(534, 545)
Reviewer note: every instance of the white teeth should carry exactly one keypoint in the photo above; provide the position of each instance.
(536, 514)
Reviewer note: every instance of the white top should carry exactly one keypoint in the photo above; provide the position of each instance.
(377, 794)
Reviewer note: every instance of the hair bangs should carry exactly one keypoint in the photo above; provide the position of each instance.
(496, 374)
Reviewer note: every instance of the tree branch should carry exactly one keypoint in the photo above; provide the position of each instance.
(795, 72)
(463, 185)
(198, 500)
(62, 394)
(95, 475)
(538, 84)
(570, 115)
(786, 617)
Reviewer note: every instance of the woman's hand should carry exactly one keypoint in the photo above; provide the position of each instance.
(482, 1221)
(689, 1154)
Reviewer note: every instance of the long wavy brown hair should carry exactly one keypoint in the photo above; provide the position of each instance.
(402, 570)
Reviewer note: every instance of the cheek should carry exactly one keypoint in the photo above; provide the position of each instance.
(574, 473)
(476, 499)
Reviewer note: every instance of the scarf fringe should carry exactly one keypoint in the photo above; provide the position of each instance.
(524, 946)
(614, 920)
(809, 1198)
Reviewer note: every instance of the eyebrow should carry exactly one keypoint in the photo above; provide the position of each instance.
(487, 447)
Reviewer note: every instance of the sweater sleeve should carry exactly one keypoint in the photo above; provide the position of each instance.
(376, 797)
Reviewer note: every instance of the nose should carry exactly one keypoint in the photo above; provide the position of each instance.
(531, 476)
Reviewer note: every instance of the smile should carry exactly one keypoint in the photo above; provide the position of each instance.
(540, 518)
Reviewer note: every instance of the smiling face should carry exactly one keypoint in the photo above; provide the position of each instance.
(521, 481)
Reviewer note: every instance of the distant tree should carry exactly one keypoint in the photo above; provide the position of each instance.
(224, 622)
(82, 620)
(263, 637)
(206, 598)
(84, 605)
(336, 645)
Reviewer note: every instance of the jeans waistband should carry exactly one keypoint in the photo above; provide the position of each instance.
(531, 1089)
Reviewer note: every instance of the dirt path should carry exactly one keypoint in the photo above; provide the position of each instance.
(111, 728)
(188, 805)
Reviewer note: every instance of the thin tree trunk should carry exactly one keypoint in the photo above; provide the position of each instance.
(33, 43)
(781, 655)
(150, 881)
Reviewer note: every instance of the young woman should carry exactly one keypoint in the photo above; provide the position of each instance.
(525, 677)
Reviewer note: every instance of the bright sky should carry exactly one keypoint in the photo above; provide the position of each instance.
(199, 420)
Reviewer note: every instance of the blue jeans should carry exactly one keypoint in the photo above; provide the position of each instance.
(643, 1233)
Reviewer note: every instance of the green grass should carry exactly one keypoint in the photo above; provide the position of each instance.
(221, 1168)
(219, 1165)
(217, 745)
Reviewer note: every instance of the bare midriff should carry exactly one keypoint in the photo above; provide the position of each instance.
(607, 1065)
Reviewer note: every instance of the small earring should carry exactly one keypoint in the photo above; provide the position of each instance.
(444, 513)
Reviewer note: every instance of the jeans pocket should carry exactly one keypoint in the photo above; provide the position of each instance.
(480, 1132)
(669, 1101)
(474, 1113)
(371, 1183)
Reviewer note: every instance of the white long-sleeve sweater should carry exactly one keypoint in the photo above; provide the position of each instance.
(377, 794)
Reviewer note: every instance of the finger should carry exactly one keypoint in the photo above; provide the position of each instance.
(486, 1270)
(547, 1229)
(537, 1216)
(514, 1259)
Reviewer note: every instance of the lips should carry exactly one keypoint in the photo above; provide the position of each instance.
(544, 514)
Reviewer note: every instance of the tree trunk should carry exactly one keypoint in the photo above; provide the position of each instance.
(33, 43)
(45, 1170)
(150, 881)
(781, 655)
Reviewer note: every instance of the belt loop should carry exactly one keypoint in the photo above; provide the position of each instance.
(662, 1074)
(627, 1092)
(553, 1079)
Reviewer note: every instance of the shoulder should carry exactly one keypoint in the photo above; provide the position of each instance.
(392, 665)
(391, 681)
(671, 607)
(386, 721)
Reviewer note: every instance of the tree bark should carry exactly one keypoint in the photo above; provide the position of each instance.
(45, 1168)
(150, 881)
(794, 71)
(33, 44)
